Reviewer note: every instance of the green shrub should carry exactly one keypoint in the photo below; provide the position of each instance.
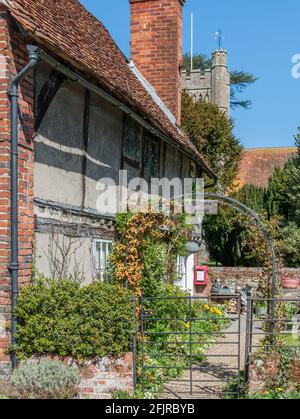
(276, 395)
(239, 387)
(42, 379)
(64, 319)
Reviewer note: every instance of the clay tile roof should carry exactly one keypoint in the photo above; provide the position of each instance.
(258, 165)
(67, 30)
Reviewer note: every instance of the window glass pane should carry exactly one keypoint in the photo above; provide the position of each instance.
(102, 256)
(151, 158)
(132, 141)
(98, 254)
(103, 250)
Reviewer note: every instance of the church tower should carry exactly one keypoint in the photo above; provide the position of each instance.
(220, 81)
(212, 85)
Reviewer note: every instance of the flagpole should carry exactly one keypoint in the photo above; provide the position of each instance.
(192, 41)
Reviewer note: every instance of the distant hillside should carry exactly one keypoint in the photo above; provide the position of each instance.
(258, 164)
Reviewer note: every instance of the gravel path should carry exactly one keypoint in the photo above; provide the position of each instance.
(221, 367)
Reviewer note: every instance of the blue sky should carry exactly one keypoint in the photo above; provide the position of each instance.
(261, 37)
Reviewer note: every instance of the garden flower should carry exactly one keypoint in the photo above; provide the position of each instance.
(216, 311)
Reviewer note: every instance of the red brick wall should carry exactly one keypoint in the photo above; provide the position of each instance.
(156, 47)
(99, 380)
(13, 57)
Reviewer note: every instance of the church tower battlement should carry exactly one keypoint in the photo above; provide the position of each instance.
(211, 85)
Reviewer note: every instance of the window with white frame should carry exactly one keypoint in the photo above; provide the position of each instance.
(102, 250)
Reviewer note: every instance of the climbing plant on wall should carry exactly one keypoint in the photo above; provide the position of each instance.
(148, 246)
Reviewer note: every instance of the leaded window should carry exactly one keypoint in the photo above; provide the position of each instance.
(132, 141)
(151, 158)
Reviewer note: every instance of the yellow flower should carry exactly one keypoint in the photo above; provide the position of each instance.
(280, 390)
(187, 325)
(206, 307)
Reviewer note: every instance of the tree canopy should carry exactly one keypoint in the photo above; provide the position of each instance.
(284, 189)
(232, 241)
(283, 198)
(211, 131)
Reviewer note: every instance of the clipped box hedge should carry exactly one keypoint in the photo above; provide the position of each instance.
(64, 319)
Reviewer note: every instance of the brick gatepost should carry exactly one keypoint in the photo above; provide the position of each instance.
(156, 47)
(13, 57)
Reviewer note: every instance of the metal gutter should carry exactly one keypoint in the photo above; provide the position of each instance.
(115, 102)
(13, 93)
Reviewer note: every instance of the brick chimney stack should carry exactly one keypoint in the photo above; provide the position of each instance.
(156, 47)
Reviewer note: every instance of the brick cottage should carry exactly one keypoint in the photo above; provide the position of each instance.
(84, 113)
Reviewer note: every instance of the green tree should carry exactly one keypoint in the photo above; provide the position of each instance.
(240, 80)
(233, 241)
(284, 189)
(231, 238)
(252, 196)
(291, 234)
(283, 199)
(200, 61)
(211, 131)
(223, 234)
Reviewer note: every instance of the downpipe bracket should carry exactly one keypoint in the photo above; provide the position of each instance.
(13, 267)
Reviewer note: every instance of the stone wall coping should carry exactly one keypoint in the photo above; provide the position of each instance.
(245, 269)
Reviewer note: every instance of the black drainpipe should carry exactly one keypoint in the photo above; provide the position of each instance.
(13, 93)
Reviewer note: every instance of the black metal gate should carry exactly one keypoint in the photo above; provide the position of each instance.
(190, 344)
